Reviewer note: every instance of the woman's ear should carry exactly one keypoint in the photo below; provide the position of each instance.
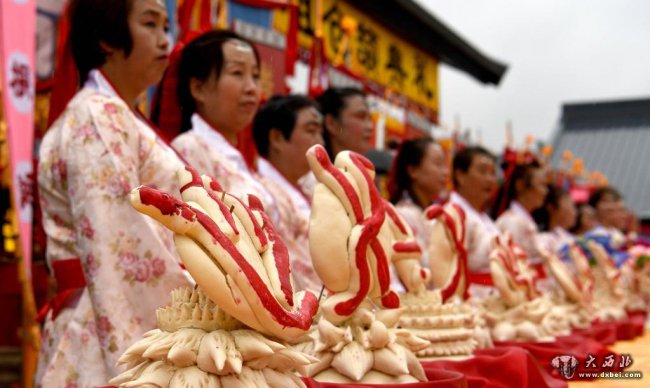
(411, 171)
(196, 90)
(520, 186)
(106, 48)
(275, 139)
(331, 125)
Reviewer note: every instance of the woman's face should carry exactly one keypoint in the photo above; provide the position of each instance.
(353, 129)
(587, 219)
(230, 100)
(480, 181)
(606, 210)
(433, 172)
(536, 191)
(147, 61)
(566, 212)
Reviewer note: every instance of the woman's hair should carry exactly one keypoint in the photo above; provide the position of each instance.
(96, 21)
(542, 215)
(463, 160)
(410, 154)
(508, 190)
(201, 58)
(281, 113)
(579, 227)
(333, 102)
(601, 193)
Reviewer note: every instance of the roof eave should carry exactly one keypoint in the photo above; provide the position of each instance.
(415, 24)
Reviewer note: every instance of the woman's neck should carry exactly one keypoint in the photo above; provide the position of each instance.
(525, 203)
(127, 90)
(472, 199)
(230, 134)
(421, 198)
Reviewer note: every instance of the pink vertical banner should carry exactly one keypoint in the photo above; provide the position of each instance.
(17, 51)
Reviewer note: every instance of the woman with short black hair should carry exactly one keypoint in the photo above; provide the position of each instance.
(218, 93)
(113, 265)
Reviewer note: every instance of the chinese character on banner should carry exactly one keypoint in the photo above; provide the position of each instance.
(419, 80)
(394, 64)
(591, 361)
(305, 17)
(333, 18)
(625, 361)
(367, 47)
(608, 362)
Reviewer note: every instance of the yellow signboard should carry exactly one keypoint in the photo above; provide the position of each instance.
(368, 49)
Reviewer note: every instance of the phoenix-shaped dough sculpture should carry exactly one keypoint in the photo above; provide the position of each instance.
(352, 242)
(229, 330)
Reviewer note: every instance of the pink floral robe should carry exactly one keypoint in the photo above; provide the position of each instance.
(90, 159)
(210, 153)
(294, 210)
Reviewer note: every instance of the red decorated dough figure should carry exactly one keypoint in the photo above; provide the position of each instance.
(352, 245)
(230, 330)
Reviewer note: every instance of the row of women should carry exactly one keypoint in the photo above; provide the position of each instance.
(114, 267)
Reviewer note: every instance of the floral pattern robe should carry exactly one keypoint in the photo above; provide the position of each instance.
(90, 159)
(210, 153)
(294, 210)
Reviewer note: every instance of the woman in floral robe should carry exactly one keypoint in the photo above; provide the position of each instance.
(91, 158)
(419, 177)
(218, 95)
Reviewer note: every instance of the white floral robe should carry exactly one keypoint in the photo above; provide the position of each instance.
(523, 229)
(90, 159)
(555, 240)
(422, 227)
(294, 211)
(479, 233)
(210, 153)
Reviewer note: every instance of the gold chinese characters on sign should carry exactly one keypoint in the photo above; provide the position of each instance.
(368, 49)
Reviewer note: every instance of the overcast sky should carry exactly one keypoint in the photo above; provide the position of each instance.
(556, 51)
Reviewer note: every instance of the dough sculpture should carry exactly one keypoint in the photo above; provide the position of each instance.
(575, 296)
(229, 330)
(609, 294)
(635, 276)
(521, 314)
(449, 265)
(352, 246)
(443, 317)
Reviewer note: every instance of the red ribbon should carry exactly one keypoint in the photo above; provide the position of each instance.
(70, 277)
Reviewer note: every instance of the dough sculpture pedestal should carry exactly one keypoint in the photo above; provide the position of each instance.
(199, 345)
(450, 328)
(230, 330)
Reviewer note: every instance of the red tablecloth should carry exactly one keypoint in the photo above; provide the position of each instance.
(437, 378)
(581, 347)
(500, 367)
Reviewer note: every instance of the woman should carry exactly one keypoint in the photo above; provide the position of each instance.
(474, 178)
(346, 121)
(347, 126)
(523, 192)
(585, 220)
(556, 217)
(113, 266)
(218, 93)
(419, 175)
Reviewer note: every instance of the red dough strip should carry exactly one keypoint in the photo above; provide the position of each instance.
(279, 250)
(168, 205)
